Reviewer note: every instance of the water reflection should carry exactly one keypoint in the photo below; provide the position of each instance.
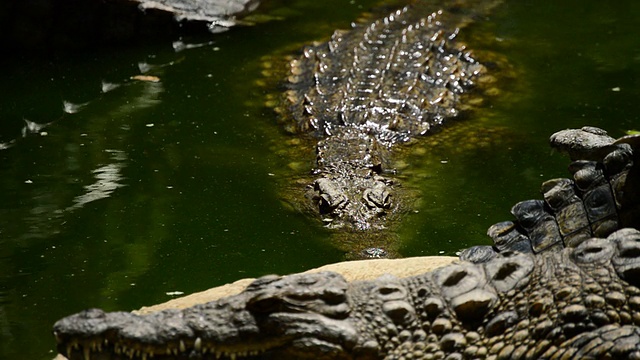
(108, 178)
(29, 128)
(55, 172)
(149, 179)
(100, 131)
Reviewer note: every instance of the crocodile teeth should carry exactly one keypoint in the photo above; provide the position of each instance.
(73, 346)
(198, 344)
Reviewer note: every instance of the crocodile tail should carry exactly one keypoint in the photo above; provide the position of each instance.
(599, 199)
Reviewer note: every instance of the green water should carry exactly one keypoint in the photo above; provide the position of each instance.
(173, 186)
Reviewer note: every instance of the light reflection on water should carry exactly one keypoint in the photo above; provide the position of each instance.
(48, 208)
(154, 187)
(108, 179)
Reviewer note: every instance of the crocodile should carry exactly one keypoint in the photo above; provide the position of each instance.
(365, 91)
(580, 300)
(578, 303)
(602, 197)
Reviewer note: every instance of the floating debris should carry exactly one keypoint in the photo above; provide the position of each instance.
(149, 78)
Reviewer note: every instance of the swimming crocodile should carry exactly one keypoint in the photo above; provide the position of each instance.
(580, 303)
(366, 90)
(602, 197)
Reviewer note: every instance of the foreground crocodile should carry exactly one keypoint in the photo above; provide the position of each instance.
(580, 303)
(370, 88)
(602, 196)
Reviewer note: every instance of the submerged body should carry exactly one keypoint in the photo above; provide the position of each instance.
(368, 89)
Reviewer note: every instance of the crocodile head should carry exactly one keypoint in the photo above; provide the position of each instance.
(359, 201)
(351, 191)
(275, 317)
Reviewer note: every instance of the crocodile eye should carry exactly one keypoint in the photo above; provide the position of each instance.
(329, 195)
(377, 197)
(264, 305)
(325, 200)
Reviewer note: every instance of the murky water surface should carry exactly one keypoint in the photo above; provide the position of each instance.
(173, 186)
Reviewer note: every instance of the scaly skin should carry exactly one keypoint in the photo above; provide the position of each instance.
(601, 198)
(368, 89)
(575, 304)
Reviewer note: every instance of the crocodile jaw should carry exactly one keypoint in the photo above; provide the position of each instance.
(111, 344)
(292, 317)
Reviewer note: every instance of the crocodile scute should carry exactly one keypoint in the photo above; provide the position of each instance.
(396, 77)
(579, 303)
(575, 301)
(601, 197)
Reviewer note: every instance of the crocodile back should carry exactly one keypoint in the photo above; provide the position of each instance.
(399, 76)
